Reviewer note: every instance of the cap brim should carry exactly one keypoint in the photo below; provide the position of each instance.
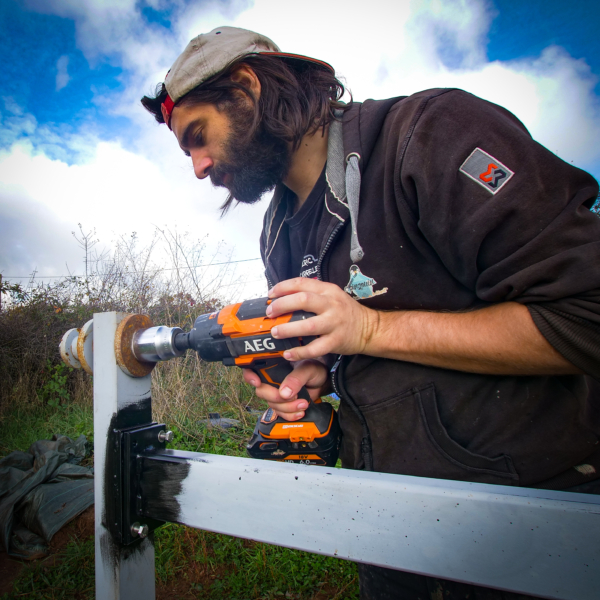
(300, 57)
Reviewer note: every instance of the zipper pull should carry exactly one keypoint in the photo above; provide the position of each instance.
(336, 365)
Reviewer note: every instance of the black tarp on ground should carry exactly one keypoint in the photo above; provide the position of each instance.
(41, 491)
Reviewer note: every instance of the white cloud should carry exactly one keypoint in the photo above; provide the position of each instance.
(62, 73)
(383, 49)
(33, 238)
(116, 192)
(12, 107)
(16, 125)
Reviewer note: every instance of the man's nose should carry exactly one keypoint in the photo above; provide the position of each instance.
(202, 163)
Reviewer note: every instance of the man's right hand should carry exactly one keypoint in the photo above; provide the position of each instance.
(284, 401)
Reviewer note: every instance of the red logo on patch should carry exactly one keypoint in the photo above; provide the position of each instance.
(493, 176)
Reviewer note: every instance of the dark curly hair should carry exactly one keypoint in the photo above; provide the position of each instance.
(297, 96)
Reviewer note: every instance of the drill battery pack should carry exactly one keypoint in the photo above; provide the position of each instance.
(312, 440)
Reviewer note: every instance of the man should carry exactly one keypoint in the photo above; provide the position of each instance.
(451, 261)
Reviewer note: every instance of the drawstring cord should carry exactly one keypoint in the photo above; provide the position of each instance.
(344, 182)
(353, 197)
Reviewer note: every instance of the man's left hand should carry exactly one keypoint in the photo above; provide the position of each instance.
(344, 325)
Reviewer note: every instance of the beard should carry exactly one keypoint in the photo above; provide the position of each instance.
(254, 165)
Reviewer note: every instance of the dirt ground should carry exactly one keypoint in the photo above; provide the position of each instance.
(81, 527)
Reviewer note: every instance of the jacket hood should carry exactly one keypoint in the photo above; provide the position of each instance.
(362, 127)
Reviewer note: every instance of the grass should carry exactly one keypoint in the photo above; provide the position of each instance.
(24, 425)
(235, 569)
(189, 563)
(69, 576)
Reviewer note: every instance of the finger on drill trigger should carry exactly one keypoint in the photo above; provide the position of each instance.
(286, 392)
(250, 377)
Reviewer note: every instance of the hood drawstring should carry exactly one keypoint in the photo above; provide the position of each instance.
(353, 195)
(344, 181)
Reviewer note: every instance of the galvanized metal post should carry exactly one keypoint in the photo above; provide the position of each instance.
(120, 401)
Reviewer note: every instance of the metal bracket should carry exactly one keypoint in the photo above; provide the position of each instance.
(137, 443)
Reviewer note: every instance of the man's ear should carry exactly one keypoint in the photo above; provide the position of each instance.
(246, 76)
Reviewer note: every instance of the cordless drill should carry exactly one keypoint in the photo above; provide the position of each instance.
(240, 335)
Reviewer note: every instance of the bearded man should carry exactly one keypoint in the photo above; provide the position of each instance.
(451, 262)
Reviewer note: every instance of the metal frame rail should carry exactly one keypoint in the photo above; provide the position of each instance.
(536, 542)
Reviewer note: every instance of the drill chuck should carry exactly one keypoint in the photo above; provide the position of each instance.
(156, 344)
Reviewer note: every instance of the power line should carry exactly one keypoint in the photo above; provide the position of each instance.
(230, 262)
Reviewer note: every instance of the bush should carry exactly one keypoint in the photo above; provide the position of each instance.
(34, 318)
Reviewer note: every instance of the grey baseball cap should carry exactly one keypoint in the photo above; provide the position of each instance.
(210, 53)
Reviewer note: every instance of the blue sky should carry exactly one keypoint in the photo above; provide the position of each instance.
(525, 28)
(32, 44)
(76, 145)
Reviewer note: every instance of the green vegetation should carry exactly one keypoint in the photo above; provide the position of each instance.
(226, 567)
(54, 391)
(23, 425)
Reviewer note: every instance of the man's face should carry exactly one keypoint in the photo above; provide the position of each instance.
(218, 143)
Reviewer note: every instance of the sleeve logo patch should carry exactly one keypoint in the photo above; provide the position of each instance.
(486, 170)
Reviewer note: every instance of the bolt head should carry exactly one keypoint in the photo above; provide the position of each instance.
(165, 436)
(141, 531)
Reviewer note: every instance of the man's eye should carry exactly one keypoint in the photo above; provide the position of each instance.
(187, 153)
(199, 139)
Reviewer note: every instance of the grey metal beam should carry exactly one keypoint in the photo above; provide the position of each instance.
(536, 542)
(122, 573)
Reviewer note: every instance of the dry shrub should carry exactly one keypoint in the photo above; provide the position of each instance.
(186, 389)
(172, 280)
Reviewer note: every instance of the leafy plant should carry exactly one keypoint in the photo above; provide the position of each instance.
(54, 391)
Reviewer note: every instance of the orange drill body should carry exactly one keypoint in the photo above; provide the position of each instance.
(240, 335)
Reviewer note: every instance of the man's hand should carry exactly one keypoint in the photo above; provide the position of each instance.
(344, 325)
(309, 373)
(501, 339)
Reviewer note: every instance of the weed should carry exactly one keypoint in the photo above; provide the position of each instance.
(54, 391)
(22, 426)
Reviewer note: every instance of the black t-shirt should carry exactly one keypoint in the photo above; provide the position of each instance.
(302, 227)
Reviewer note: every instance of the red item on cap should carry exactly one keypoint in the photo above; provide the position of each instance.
(167, 108)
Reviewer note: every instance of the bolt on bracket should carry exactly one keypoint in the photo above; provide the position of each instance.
(136, 443)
